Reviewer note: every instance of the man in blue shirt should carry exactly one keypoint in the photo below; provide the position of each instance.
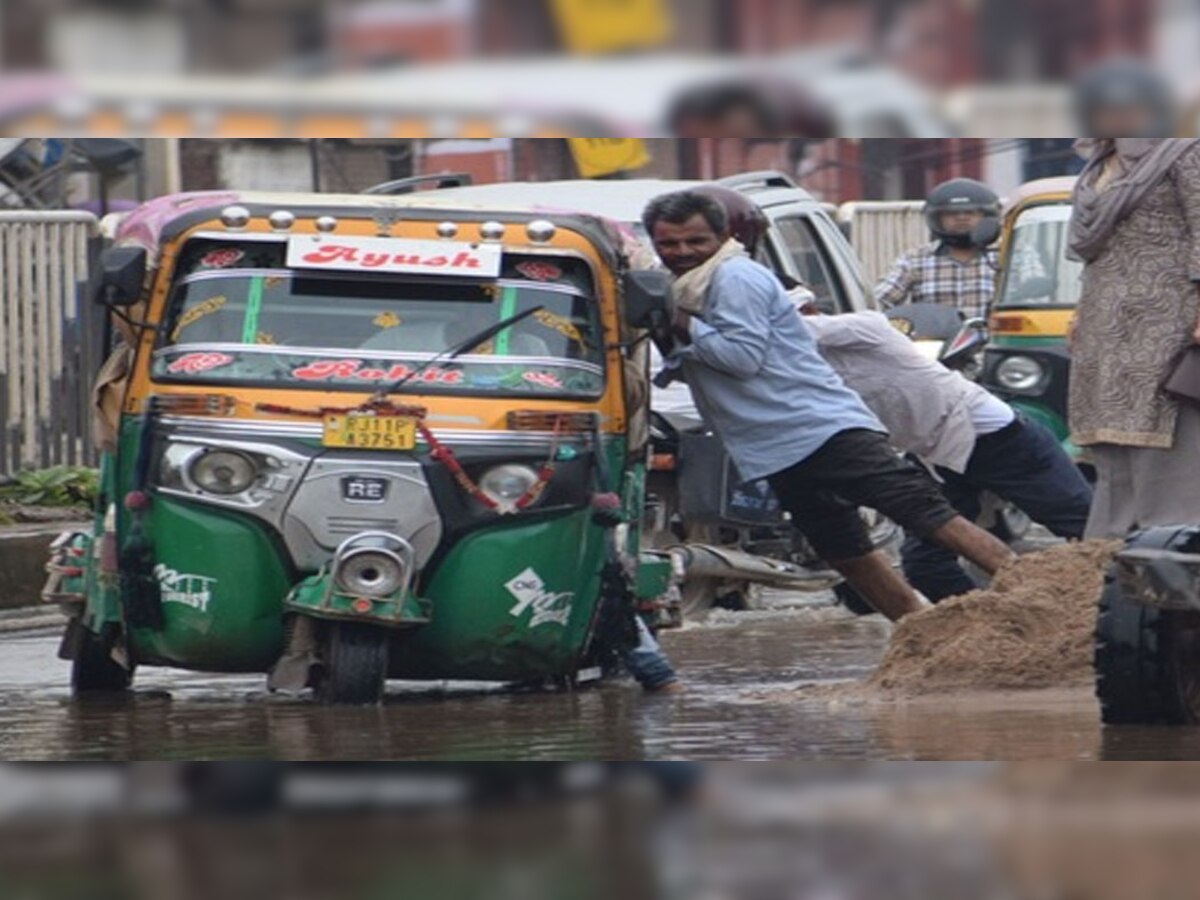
(783, 414)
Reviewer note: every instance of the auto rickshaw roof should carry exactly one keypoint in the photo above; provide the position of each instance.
(1041, 187)
(164, 218)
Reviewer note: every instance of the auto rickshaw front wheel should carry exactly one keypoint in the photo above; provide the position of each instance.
(93, 670)
(354, 663)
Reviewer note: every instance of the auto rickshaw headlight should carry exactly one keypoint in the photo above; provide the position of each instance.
(370, 573)
(223, 472)
(1020, 373)
(508, 483)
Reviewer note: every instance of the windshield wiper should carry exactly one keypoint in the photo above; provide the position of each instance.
(455, 351)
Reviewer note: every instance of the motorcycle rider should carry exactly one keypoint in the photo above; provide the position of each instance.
(957, 268)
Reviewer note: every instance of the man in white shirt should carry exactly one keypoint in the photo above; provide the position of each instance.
(972, 440)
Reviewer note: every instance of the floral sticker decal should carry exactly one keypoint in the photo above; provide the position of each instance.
(195, 363)
(540, 271)
(222, 259)
(543, 379)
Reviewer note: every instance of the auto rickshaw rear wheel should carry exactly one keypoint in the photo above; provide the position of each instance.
(354, 662)
(93, 670)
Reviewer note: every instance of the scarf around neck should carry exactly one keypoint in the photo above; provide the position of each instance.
(1143, 162)
(689, 288)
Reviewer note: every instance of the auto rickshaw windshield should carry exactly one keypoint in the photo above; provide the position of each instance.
(238, 316)
(1037, 270)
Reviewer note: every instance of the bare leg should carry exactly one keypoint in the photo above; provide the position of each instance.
(970, 541)
(873, 577)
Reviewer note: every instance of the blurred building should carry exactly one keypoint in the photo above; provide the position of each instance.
(162, 36)
(942, 42)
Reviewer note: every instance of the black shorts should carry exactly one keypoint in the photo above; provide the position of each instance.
(858, 468)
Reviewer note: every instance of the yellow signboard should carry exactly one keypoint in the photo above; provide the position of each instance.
(609, 26)
(597, 157)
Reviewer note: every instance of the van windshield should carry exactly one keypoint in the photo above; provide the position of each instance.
(237, 316)
(1037, 271)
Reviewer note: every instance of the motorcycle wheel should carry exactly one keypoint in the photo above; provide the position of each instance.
(93, 670)
(1147, 660)
(354, 665)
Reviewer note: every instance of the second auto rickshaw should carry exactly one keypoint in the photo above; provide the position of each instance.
(1027, 362)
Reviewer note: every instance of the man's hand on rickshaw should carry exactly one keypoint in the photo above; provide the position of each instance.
(681, 327)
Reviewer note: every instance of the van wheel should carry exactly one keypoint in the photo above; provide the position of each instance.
(93, 670)
(354, 661)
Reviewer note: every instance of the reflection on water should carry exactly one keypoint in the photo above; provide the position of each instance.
(746, 675)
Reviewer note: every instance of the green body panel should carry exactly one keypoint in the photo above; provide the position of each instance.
(487, 625)
(102, 589)
(653, 576)
(231, 622)
(466, 620)
(1017, 342)
(318, 596)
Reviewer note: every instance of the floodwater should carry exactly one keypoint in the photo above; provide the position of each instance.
(745, 672)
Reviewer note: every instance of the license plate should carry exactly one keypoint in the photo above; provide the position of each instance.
(368, 432)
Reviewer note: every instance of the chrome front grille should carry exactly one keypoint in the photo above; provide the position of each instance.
(320, 517)
(348, 526)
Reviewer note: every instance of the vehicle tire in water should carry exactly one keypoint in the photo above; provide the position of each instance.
(1133, 680)
(93, 670)
(354, 664)
(1147, 659)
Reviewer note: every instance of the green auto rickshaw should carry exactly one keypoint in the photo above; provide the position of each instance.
(345, 441)
(1027, 362)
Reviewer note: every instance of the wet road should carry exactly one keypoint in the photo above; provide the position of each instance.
(743, 671)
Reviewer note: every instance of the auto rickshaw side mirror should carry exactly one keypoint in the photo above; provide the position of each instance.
(986, 232)
(122, 273)
(646, 294)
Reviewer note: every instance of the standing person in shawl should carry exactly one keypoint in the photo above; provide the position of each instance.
(1136, 226)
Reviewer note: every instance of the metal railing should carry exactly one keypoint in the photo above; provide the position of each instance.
(50, 339)
(880, 230)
